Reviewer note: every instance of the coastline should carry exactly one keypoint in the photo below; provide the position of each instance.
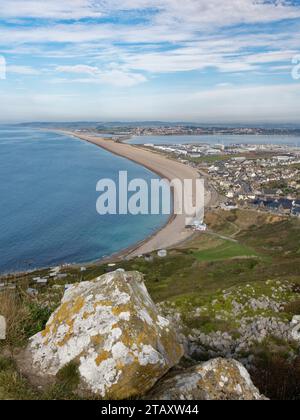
(174, 232)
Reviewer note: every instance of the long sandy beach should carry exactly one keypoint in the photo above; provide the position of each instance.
(175, 231)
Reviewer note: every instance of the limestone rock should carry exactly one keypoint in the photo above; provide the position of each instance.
(295, 333)
(2, 328)
(218, 379)
(296, 320)
(112, 329)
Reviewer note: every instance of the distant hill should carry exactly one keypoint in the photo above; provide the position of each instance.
(108, 125)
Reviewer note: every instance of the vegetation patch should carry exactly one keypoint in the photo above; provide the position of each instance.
(68, 377)
(225, 251)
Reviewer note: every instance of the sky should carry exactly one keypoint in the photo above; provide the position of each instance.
(216, 61)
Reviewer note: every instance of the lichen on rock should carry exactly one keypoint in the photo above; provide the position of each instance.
(218, 379)
(111, 328)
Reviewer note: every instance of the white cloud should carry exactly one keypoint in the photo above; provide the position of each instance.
(179, 23)
(175, 36)
(78, 69)
(194, 12)
(121, 78)
(227, 12)
(24, 70)
(186, 59)
(113, 76)
(227, 54)
(189, 51)
(50, 9)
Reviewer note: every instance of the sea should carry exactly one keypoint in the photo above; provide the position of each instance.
(48, 200)
(48, 196)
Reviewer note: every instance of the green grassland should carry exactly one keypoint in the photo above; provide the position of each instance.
(245, 253)
(209, 159)
(227, 250)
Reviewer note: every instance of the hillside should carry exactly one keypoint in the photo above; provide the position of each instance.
(232, 291)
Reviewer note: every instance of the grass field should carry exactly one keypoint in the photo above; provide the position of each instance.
(228, 250)
(209, 159)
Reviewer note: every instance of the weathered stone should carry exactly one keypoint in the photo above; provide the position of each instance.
(2, 328)
(218, 379)
(295, 333)
(296, 320)
(111, 328)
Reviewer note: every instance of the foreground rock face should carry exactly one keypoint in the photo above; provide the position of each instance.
(112, 329)
(218, 379)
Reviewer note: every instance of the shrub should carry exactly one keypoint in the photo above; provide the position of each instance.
(293, 307)
(38, 317)
(24, 318)
(68, 376)
(277, 378)
(16, 315)
(6, 363)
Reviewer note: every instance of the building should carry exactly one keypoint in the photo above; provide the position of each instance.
(162, 253)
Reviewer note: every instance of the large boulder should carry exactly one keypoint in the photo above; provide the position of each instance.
(218, 379)
(111, 328)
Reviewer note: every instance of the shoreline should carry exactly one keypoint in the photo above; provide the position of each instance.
(174, 231)
(170, 234)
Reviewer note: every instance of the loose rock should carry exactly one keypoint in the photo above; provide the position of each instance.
(218, 379)
(111, 328)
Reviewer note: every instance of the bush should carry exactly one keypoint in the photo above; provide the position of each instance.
(24, 318)
(13, 386)
(68, 377)
(6, 363)
(277, 378)
(16, 315)
(38, 318)
(293, 307)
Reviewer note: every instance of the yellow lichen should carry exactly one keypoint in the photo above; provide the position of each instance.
(68, 334)
(117, 310)
(102, 357)
(86, 315)
(97, 340)
(103, 303)
(64, 314)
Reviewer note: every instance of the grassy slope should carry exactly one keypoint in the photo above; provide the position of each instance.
(191, 276)
(225, 251)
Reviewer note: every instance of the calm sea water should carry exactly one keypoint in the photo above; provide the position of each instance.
(48, 201)
(216, 139)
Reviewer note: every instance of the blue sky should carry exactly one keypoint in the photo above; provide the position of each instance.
(192, 60)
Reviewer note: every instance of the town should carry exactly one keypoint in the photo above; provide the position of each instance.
(169, 129)
(264, 177)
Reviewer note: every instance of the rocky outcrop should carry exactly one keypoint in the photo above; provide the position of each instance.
(218, 379)
(112, 330)
(250, 332)
(253, 314)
